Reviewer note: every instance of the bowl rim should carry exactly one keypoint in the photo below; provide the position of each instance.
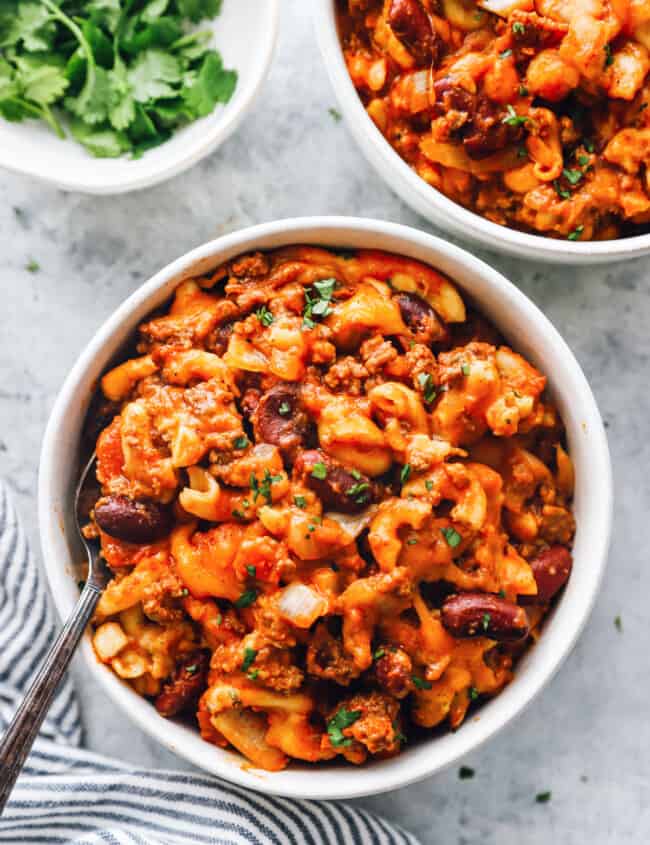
(413, 764)
(432, 203)
(213, 137)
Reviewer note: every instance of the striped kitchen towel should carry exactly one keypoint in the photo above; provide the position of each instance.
(68, 795)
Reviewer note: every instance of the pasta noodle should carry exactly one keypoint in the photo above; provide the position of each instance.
(335, 504)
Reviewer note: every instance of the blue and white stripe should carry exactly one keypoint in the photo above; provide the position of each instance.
(68, 795)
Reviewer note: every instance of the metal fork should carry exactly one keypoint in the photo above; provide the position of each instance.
(16, 743)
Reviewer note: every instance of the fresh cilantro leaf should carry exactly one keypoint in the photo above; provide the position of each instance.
(121, 111)
(153, 74)
(452, 537)
(197, 10)
(154, 9)
(405, 473)
(338, 723)
(543, 797)
(512, 118)
(264, 315)
(32, 266)
(249, 657)
(32, 27)
(425, 380)
(252, 570)
(359, 492)
(139, 35)
(247, 598)
(43, 84)
(572, 176)
(335, 114)
(102, 143)
(300, 501)
(104, 13)
(466, 773)
(421, 683)
(93, 103)
(575, 235)
(319, 471)
(213, 85)
(240, 442)
(192, 46)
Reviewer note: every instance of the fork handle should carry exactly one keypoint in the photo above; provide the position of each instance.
(19, 737)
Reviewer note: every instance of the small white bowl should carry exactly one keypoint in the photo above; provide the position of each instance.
(526, 328)
(433, 204)
(245, 34)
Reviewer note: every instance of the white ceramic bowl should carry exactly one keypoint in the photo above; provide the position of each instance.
(245, 34)
(433, 204)
(526, 328)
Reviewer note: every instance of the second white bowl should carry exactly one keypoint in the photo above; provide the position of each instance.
(433, 204)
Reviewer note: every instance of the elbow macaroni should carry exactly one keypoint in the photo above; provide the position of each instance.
(312, 450)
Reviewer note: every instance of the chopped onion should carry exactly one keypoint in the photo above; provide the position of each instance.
(353, 523)
(301, 605)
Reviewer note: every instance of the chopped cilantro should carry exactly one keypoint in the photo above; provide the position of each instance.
(240, 442)
(300, 501)
(124, 74)
(319, 471)
(583, 160)
(317, 301)
(473, 693)
(609, 59)
(412, 541)
(428, 387)
(523, 91)
(252, 570)
(465, 369)
(405, 473)
(379, 654)
(264, 315)
(359, 492)
(191, 670)
(501, 594)
(335, 114)
(543, 797)
(249, 657)
(421, 683)
(338, 723)
(284, 409)
(512, 118)
(263, 488)
(518, 28)
(81, 585)
(219, 619)
(575, 235)
(561, 192)
(588, 145)
(32, 266)
(618, 623)
(452, 536)
(184, 592)
(247, 598)
(238, 514)
(428, 484)
(252, 675)
(466, 773)
(572, 176)
(485, 621)
(505, 54)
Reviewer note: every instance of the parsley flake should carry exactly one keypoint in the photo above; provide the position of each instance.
(412, 541)
(560, 191)
(300, 501)
(249, 657)
(405, 473)
(572, 176)
(284, 409)
(512, 118)
(317, 301)
(359, 492)
(191, 670)
(473, 693)
(319, 471)
(379, 654)
(338, 723)
(618, 623)
(335, 114)
(518, 28)
(252, 675)
(263, 488)
(466, 773)
(240, 442)
(264, 316)
(252, 570)
(452, 536)
(575, 235)
(428, 484)
(543, 797)
(246, 599)
(421, 683)
(609, 59)
(485, 621)
(32, 265)
(425, 380)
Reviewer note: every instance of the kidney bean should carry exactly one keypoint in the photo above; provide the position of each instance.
(100, 415)
(190, 679)
(131, 520)
(420, 317)
(484, 615)
(551, 569)
(486, 133)
(219, 338)
(412, 26)
(394, 671)
(452, 97)
(280, 419)
(339, 490)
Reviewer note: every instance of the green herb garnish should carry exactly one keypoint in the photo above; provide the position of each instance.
(379, 654)
(263, 488)
(543, 797)
(32, 265)
(465, 369)
(252, 570)
(609, 59)
(338, 723)
(420, 683)
(466, 773)
(412, 541)
(506, 53)
(512, 118)
(575, 235)
(473, 693)
(428, 484)
(335, 114)
(125, 74)
(249, 656)
(247, 598)
(518, 28)
(264, 315)
(452, 536)
(359, 492)
(252, 675)
(300, 501)
(319, 471)
(191, 670)
(284, 409)
(485, 621)
(425, 380)
(572, 176)
(317, 301)
(561, 192)
(405, 473)
(618, 623)
(240, 442)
